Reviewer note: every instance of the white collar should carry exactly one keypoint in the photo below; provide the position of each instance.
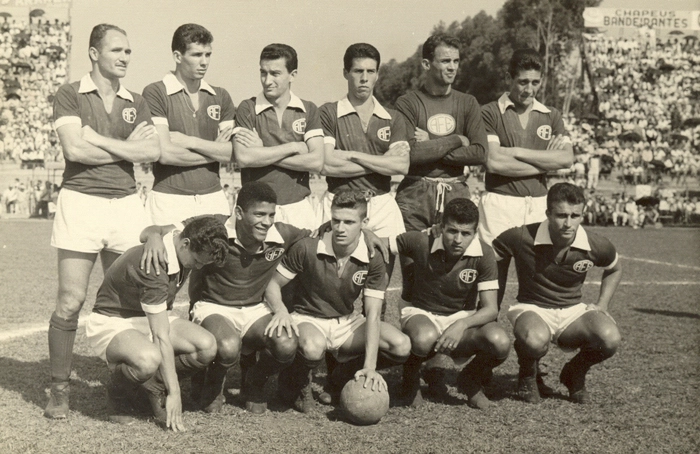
(262, 104)
(473, 250)
(273, 235)
(580, 240)
(172, 85)
(504, 102)
(325, 247)
(173, 263)
(346, 108)
(87, 85)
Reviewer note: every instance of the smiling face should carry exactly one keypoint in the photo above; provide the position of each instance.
(275, 78)
(524, 87)
(564, 220)
(457, 237)
(193, 64)
(361, 77)
(253, 223)
(113, 55)
(347, 224)
(442, 70)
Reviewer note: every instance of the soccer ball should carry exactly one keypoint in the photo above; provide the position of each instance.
(361, 405)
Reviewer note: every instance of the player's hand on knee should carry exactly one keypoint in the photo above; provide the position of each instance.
(281, 322)
(449, 340)
(372, 378)
(597, 308)
(173, 409)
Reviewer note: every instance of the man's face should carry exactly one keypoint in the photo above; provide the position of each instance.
(442, 70)
(524, 87)
(193, 64)
(276, 80)
(113, 55)
(564, 220)
(362, 77)
(254, 223)
(347, 224)
(193, 260)
(457, 237)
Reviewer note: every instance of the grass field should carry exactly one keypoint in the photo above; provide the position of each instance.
(645, 399)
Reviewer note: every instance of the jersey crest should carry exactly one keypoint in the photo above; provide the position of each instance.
(129, 115)
(441, 124)
(468, 276)
(582, 266)
(273, 254)
(544, 132)
(299, 126)
(214, 112)
(384, 133)
(359, 277)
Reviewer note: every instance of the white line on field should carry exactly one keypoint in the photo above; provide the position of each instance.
(656, 262)
(394, 289)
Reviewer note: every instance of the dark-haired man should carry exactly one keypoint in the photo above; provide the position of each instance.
(132, 330)
(195, 122)
(103, 129)
(443, 314)
(280, 139)
(552, 259)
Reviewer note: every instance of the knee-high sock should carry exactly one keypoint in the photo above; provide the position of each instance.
(61, 339)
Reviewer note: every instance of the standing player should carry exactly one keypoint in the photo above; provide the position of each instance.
(552, 258)
(194, 121)
(280, 139)
(332, 271)
(132, 330)
(442, 316)
(103, 129)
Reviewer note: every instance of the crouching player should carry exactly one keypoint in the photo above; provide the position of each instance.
(332, 271)
(442, 316)
(552, 258)
(132, 329)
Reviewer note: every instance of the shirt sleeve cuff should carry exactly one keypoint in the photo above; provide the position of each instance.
(313, 133)
(393, 245)
(487, 285)
(379, 294)
(285, 272)
(154, 308)
(396, 143)
(329, 141)
(226, 124)
(68, 120)
(612, 265)
(160, 121)
(493, 138)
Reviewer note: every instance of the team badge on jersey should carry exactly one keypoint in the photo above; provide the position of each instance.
(214, 112)
(441, 124)
(544, 132)
(299, 126)
(273, 254)
(129, 115)
(359, 277)
(384, 133)
(582, 266)
(468, 276)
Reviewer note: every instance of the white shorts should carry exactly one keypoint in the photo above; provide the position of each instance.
(241, 317)
(557, 320)
(101, 329)
(498, 213)
(441, 322)
(336, 330)
(87, 223)
(166, 209)
(384, 215)
(301, 214)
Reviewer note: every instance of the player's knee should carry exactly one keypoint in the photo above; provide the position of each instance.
(283, 348)
(312, 348)
(608, 339)
(146, 361)
(69, 302)
(497, 341)
(422, 343)
(206, 347)
(401, 346)
(228, 348)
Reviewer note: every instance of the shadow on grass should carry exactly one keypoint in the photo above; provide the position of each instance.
(668, 313)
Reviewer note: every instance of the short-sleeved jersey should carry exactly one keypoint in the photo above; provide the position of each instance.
(438, 287)
(243, 278)
(326, 290)
(343, 129)
(80, 103)
(171, 106)
(300, 122)
(127, 291)
(541, 280)
(440, 116)
(503, 126)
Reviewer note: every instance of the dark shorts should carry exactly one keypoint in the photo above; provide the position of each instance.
(419, 203)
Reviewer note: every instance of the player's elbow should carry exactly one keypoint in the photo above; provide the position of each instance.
(244, 158)
(316, 164)
(151, 153)
(492, 165)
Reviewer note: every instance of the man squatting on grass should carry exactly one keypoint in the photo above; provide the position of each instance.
(552, 258)
(132, 329)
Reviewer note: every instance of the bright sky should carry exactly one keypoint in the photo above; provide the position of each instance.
(320, 31)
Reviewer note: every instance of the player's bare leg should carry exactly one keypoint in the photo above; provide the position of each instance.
(531, 343)
(276, 353)
(423, 335)
(228, 348)
(295, 380)
(596, 335)
(74, 270)
(490, 346)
